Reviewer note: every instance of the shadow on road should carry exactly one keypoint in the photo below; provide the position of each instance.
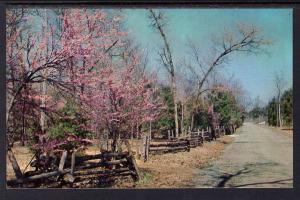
(259, 157)
(283, 181)
(225, 178)
(249, 169)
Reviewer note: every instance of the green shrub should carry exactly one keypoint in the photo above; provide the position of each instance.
(71, 122)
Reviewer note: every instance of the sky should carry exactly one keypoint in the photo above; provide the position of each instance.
(199, 25)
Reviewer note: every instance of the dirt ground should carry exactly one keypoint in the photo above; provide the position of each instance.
(283, 130)
(161, 171)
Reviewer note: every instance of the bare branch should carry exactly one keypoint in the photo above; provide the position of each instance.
(246, 40)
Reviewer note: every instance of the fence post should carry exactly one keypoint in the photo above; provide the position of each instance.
(102, 142)
(144, 148)
(62, 161)
(147, 148)
(137, 131)
(141, 148)
(150, 130)
(107, 140)
(119, 146)
(73, 162)
(209, 133)
(198, 134)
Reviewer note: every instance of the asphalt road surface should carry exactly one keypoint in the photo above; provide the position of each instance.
(258, 158)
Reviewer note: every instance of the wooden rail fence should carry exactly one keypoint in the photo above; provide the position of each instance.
(172, 144)
(110, 164)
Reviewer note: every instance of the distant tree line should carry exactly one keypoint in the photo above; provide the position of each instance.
(270, 111)
(223, 102)
(286, 102)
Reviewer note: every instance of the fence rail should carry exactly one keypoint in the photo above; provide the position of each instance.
(183, 143)
(110, 164)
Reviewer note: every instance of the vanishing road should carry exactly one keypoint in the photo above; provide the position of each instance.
(259, 157)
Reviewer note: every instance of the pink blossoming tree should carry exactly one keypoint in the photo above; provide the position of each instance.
(80, 52)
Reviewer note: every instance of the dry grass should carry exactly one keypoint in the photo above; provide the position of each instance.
(23, 156)
(161, 171)
(287, 130)
(178, 170)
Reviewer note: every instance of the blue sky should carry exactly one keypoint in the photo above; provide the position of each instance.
(254, 71)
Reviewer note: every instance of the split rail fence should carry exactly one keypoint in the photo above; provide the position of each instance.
(151, 146)
(72, 169)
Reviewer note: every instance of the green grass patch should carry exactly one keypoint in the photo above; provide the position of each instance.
(146, 178)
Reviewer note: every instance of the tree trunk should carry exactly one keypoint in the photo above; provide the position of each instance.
(23, 125)
(279, 115)
(42, 118)
(175, 105)
(168, 60)
(14, 163)
(44, 86)
(115, 140)
(278, 120)
(137, 131)
(192, 121)
(114, 144)
(176, 120)
(150, 129)
(182, 117)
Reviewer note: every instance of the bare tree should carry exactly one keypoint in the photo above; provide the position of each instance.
(245, 39)
(279, 85)
(185, 87)
(158, 23)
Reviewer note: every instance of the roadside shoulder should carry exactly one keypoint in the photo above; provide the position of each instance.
(288, 132)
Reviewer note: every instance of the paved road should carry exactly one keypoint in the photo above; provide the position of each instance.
(259, 157)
